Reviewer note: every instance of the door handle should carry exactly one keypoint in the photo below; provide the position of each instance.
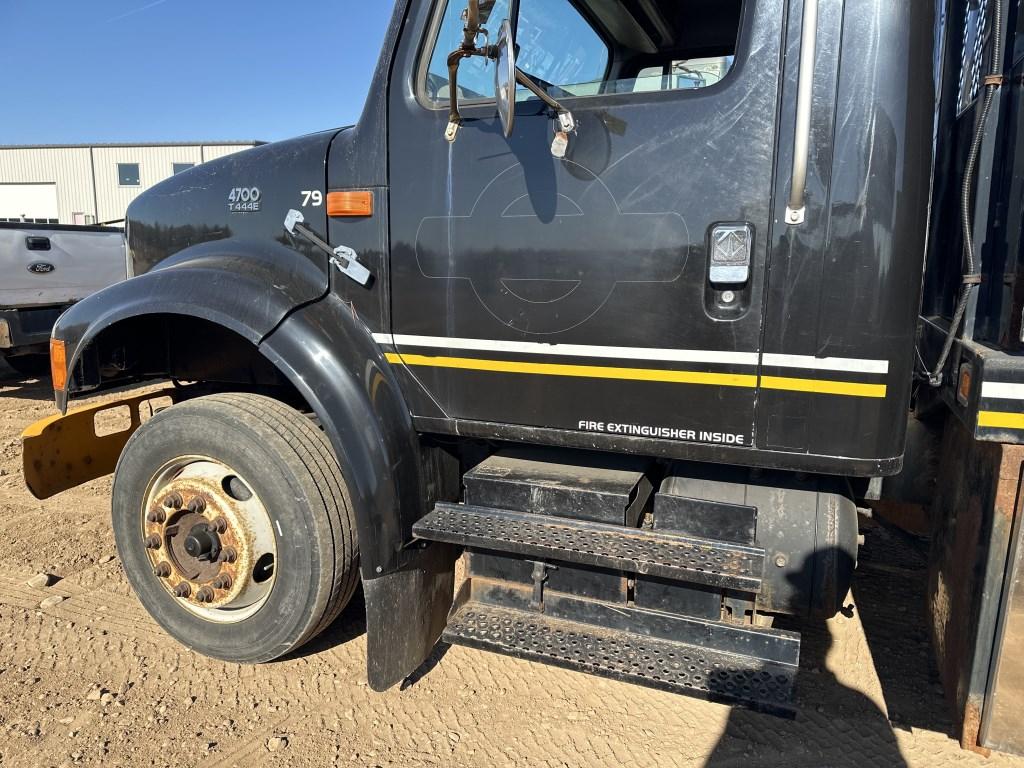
(797, 207)
(36, 243)
(731, 249)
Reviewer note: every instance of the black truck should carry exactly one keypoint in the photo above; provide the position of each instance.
(632, 301)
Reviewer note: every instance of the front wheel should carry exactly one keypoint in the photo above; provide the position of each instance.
(234, 525)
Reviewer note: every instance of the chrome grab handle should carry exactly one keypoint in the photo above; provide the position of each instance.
(805, 94)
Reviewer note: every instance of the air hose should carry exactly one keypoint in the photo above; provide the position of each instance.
(972, 275)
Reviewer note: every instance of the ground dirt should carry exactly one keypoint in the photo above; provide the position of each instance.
(92, 680)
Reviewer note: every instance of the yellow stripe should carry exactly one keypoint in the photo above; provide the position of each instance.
(581, 371)
(998, 419)
(817, 386)
(824, 387)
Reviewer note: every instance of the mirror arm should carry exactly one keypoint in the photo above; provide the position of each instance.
(527, 82)
(454, 60)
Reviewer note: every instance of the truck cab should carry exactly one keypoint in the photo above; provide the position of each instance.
(618, 298)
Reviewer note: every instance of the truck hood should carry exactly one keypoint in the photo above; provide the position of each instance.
(243, 196)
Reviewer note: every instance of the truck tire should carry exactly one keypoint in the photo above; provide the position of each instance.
(234, 526)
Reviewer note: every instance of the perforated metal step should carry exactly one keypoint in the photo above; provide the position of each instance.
(669, 556)
(766, 686)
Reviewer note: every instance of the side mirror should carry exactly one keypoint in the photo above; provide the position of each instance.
(505, 78)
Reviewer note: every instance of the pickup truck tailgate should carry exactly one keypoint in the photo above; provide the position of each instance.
(57, 265)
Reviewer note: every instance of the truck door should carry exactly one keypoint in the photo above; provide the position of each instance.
(617, 290)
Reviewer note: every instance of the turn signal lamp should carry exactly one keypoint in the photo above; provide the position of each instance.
(963, 390)
(58, 364)
(350, 203)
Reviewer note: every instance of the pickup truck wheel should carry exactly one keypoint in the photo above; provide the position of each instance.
(234, 525)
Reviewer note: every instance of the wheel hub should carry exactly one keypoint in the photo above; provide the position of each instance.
(205, 531)
(202, 543)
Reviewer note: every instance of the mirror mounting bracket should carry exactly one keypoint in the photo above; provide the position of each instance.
(468, 49)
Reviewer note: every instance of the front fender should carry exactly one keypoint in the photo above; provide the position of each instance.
(247, 286)
(335, 364)
(330, 357)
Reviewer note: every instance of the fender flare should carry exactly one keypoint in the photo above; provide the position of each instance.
(247, 286)
(330, 356)
(332, 359)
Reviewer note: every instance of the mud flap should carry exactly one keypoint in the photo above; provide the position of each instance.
(406, 612)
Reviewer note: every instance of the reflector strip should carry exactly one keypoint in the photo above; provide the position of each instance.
(846, 364)
(749, 381)
(824, 387)
(1002, 391)
(1001, 420)
(723, 357)
(580, 371)
(572, 350)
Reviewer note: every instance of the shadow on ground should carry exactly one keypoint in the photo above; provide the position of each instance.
(26, 386)
(838, 723)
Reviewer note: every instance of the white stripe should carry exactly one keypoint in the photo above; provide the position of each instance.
(852, 365)
(849, 365)
(639, 353)
(576, 350)
(1002, 391)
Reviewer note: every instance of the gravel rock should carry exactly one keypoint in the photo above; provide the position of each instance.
(41, 580)
(276, 743)
(51, 601)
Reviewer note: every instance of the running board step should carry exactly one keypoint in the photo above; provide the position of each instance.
(632, 550)
(668, 665)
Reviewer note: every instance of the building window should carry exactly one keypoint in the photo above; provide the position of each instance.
(179, 167)
(128, 174)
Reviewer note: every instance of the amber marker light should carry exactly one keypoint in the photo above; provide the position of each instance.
(58, 364)
(350, 203)
(963, 391)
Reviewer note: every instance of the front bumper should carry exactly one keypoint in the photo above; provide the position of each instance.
(61, 452)
(23, 328)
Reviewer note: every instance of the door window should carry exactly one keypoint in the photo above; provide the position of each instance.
(588, 48)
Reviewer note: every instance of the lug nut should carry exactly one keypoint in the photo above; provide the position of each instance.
(156, 516)
(163, 570)
(220, 525)
(173, 501)
(204, 595)
(228, 555)
(153, 542)
(222, 582)
(182, 590)
(197, 505)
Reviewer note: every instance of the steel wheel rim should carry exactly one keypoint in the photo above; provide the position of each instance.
(209, 539)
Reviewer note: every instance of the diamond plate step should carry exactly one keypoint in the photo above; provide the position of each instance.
(666, 555)
(765, 686)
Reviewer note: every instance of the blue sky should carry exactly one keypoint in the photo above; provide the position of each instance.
(183, 70)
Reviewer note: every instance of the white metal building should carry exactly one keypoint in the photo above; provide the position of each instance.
(91, 184)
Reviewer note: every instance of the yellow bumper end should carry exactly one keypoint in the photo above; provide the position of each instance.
(61, 452)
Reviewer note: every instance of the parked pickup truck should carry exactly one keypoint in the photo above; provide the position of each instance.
(45, 270)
